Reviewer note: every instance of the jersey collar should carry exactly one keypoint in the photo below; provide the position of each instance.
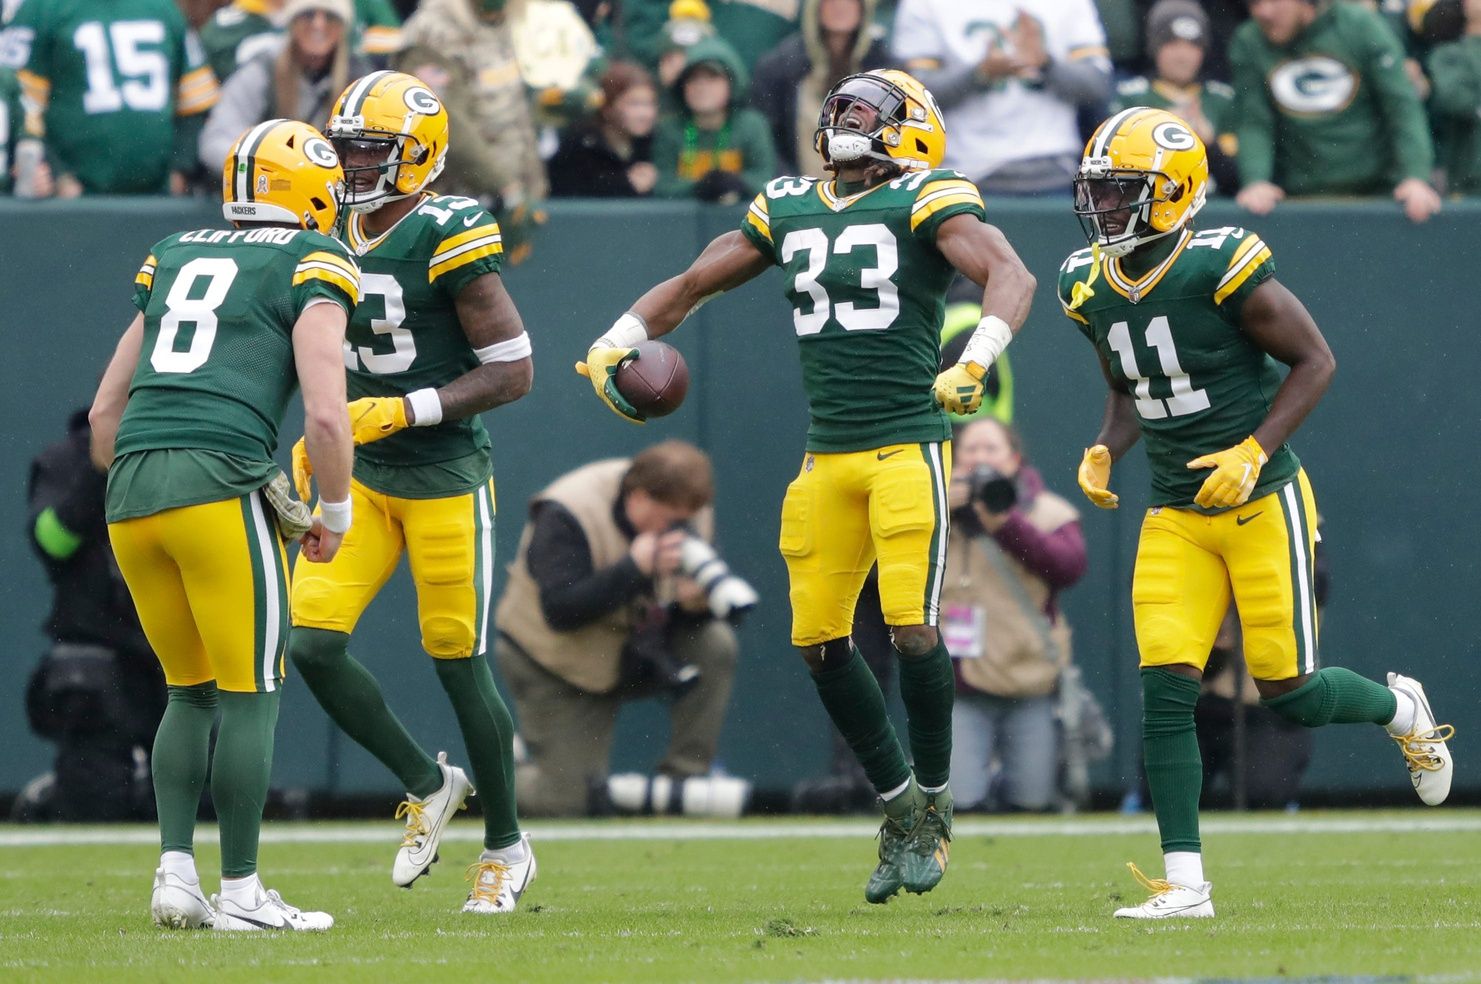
(836, 204)
(355, 235)
(1135, 290)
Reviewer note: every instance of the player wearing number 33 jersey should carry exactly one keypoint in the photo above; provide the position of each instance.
(435, 342)
(230, 322)
(1189, 326)
(866, 258)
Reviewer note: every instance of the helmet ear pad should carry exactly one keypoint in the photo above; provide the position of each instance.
(1163, 216)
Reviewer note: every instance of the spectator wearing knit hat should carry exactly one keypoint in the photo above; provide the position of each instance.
(1177, 40)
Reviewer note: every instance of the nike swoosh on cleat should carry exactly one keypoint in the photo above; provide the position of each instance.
(889, 454)
(1241, 520)
(256, 922)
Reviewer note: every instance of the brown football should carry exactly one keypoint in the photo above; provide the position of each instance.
(656, 381)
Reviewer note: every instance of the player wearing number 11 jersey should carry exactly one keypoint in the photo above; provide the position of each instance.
(1189, 326)
(866, 259)
(435, 342)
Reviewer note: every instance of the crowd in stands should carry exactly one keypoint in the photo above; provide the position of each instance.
(710, 99)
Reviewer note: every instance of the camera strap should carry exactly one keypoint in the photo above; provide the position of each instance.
(1035, 615)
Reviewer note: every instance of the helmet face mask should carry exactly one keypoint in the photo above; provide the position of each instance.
(1114, 207)
(368, 186)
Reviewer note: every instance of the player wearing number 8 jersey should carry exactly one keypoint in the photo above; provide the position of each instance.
(866, 259)
(435, 342)
(188, 414)
(1189, 326)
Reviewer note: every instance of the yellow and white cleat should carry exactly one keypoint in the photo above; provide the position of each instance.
(1424, 748)
(498, 882)
(1169, 901)
(425, 821)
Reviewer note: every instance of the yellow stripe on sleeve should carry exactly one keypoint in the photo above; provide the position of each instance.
(196, 92)
(493, 246)
(33, 86)
(380, 40)
(451, 243)
(348, 285)
(1244, 250)
(1076, 315)
(320, 256)
(1232, 283)
(933, 188)
(759, 219)
(920, 215)
(145, 277)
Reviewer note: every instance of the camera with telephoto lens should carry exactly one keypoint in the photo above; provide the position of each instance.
(730, 596)
(997, 492)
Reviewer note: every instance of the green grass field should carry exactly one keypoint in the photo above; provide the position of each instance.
(1350, 895)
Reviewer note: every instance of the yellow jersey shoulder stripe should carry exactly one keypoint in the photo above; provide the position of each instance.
(1235, 279)
(942, 202)
(331, 276)
(380, 40)
(462, 238)
(196, 92)
(942, 189)
(36, 86)
(145, 277)
(1075, 315)
(1250, 243)
(474, 251)
(759, 218)
(320, 256)
(935, 185)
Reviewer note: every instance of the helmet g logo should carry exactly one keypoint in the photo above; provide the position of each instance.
(1172, 136)
(422, 101)
(320, 152)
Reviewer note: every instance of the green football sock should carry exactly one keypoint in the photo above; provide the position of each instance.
(852, 697)
(240, 771)
(488, 733)
(1335, 695)
(927, 687)
(353, 700)
(181, 758)
(1170, 751)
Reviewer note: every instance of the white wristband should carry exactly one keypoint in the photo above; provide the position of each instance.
(426, 407)
(336, 515)
(988, 341)
(626, 332)
(509, 350)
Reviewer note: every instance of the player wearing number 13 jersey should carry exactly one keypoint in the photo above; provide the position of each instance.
(1189, 326)
(188, 411)
(866, 258)
(435, 342)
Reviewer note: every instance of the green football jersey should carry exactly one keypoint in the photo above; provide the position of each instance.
(10, 124)
(405, 336)
(216, 369)
(113, 75)
(868, 292)
(1173, 342)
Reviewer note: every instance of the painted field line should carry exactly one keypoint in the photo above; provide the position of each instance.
(699, 830)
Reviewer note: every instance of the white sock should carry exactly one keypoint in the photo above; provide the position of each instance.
(513, 854)
(1404, 717)
(243, 890)
(179, 863)
(933, 790)
(890, 794)
(1184, 868)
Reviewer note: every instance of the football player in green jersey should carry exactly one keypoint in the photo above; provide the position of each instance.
(436, 342)
(117, 90)
(1189, 326)
(867, 258)
(188, 414)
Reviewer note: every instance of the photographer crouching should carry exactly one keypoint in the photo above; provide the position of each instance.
(615, 594)
(1014, 546)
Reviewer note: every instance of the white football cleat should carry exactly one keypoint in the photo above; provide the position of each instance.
(1169, 901)
(425, 821)
(178, 903)
(267, 910)
(497, 886)
(1424, 748)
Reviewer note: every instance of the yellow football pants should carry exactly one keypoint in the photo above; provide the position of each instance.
(843, 511)
(1188, 564)
(450, 544)
(210, 583)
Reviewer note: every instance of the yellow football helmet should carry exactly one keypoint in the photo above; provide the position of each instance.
(391, 132)
(886, 115)
(1144, 176)
(283, 171)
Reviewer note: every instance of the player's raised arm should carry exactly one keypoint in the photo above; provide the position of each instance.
(727, 262)
(113, 392)
(1279, 324)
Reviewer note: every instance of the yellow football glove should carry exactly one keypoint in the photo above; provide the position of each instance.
(375, 417)
(303, 471)
(1095, 477)
(960, 388)
(601, 365)
(1236, 471)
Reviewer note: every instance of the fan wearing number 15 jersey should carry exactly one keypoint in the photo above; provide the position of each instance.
(1189, 326)
(435, 342)
(866, 258)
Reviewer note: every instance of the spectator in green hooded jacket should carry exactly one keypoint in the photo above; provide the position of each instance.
(1455, 102)
(713, 148)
